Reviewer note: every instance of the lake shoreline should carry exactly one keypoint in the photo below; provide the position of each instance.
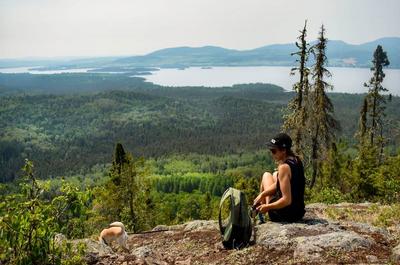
(344, 79)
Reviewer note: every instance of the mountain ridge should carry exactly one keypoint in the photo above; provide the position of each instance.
(339, 53)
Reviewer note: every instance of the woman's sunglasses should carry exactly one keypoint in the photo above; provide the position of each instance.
(273, 151)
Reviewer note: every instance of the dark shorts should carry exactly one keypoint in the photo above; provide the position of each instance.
(282, 215)
(288, 214)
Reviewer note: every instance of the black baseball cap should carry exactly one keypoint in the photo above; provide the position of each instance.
(280, 141)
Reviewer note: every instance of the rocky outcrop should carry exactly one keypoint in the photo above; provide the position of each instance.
(315, 240)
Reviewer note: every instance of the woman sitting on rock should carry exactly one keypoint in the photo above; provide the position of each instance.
(282, 193)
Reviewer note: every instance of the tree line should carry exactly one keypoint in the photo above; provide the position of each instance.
(68, 134)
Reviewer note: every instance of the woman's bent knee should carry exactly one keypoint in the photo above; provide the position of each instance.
(267, 175)
(268, 179)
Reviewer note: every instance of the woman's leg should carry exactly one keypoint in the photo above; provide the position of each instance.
(268, 180)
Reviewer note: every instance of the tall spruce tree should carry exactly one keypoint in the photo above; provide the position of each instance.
(376, 101)
(119, 160)
(370, 131)
(295, 120)
(119, 157)
(323, 125)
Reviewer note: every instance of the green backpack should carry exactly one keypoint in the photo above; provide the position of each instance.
(236, 229)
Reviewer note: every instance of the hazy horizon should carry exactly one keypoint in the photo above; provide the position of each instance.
(74, 57)
(100, 28)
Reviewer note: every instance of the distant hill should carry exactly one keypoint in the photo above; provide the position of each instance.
(57, 62)
(339, 54)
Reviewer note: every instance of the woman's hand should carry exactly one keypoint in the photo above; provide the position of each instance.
(263, 208)
(258, 200)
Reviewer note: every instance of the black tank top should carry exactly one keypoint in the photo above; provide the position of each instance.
(295, 211)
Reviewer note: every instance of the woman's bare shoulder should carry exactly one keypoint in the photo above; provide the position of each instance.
(283, 166)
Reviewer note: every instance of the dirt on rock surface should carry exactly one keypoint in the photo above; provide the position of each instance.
(315, 240)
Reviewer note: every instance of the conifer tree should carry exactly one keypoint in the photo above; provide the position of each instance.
(119, 157)
(376, 101)
(370, 131)
(323, 125)
(126, 195)
(114, 186)
(295, 121)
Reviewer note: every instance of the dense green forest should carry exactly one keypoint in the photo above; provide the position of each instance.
(70, 133)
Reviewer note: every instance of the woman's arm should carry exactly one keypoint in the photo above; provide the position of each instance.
(284, 175)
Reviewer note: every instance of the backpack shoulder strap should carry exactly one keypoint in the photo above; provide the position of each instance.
(227, 195)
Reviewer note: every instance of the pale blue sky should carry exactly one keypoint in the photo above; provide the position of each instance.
(46, 28)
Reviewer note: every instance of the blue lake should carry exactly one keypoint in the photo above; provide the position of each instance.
(349, 80)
